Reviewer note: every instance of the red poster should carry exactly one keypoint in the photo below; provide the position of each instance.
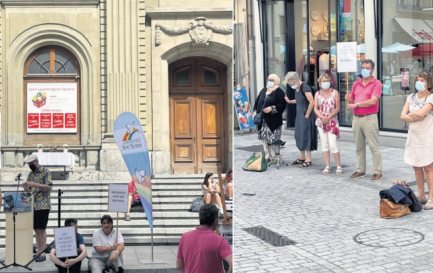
(58, 120)
(32, 120)
(46, 120)
(70, 120)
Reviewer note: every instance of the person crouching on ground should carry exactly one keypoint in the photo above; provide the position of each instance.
(107, 251)
(211, 194)
(71, 263)
(202, 250)
(326, 108)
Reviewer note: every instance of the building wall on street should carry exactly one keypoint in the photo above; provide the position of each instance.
(124, 49)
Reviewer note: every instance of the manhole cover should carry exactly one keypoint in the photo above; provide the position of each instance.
(389, 237)
(269, 236)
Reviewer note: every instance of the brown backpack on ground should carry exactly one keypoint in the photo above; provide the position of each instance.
(389, 209)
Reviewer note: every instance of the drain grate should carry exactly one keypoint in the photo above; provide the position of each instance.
(389, 237)
(248, 194)
(269, 236)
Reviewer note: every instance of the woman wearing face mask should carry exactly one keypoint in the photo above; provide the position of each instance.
(326, 108)
(271, 104)
(305, 130)
(418, 112)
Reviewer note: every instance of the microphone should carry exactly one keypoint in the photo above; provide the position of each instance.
(18, 177)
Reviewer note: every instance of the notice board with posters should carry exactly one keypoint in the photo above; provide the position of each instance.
(52, 108)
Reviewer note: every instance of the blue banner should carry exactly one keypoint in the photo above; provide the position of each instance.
(132, 145)
(243, 108)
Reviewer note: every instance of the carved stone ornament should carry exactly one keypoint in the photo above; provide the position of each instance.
(199, 30)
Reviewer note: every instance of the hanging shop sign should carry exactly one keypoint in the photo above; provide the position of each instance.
(52, 108)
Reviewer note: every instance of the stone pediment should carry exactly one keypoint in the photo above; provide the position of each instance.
(199, 30)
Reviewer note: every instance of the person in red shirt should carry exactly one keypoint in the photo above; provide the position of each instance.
(202, 250)
(133, 199)
(364, 102)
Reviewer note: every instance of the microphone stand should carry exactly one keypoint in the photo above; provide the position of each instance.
(18, 178)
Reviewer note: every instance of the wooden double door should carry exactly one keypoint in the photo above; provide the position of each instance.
(198, 116)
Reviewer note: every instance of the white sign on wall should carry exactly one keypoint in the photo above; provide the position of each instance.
(118, 198)
(52, 108)
(66, 242)
(346, 57)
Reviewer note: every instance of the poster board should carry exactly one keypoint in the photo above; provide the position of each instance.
(243, 108)
(346, 57)
(52, 107)
(118, 197)
(66, 242)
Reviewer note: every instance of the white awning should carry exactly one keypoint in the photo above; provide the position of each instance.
(418, 29)
(396, 48)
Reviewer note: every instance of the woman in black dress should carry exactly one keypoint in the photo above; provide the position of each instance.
(271, 104)
(305, 129)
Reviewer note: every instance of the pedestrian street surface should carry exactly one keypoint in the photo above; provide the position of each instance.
(312, 222)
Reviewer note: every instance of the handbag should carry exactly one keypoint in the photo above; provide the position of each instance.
(196, 204)
(390, 210)
(256, 162)
(258, 119)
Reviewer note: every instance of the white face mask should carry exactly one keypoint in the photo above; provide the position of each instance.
(270, 84)
(294, 86)
(325, 85)
(419, 86)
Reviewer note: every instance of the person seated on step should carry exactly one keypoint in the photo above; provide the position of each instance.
(211, 191)
(133, 199)
(228, 185)
(70, 264)
(107, 249)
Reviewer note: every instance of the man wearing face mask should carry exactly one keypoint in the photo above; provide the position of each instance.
(364, 102)
(39, 182)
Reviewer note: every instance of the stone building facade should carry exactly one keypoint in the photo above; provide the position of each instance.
(168, 62)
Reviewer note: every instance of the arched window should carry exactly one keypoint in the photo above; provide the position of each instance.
(52, 95)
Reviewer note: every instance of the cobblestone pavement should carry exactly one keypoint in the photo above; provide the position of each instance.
(333, 219)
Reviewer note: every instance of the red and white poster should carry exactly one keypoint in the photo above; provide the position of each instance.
(51, 108)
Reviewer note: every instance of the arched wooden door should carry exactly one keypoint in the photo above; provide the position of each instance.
(52, 98)
(197, 115)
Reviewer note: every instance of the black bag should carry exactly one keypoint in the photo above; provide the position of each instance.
(196, 204)
(258, 119)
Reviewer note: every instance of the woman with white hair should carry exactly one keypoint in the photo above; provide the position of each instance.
(305, 130)
(270, 104)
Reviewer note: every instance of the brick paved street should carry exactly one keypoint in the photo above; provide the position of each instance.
(324, 214)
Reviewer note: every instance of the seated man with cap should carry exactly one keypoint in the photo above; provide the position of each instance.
(39, 182)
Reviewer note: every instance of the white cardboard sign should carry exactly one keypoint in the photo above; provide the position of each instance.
(346, 57)
(118, 198)
(66, 242)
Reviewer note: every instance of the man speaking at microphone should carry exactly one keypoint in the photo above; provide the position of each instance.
(39, 182)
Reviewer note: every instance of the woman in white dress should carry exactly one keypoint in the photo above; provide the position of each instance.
(418, 112)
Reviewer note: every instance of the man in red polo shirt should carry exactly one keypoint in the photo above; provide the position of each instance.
(202, 250)
(364, 102)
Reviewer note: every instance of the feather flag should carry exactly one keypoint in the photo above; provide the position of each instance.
(131, 142)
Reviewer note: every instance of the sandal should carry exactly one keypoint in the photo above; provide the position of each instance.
(429, 205)
(326, 170)
(306, 164)
(298, 162)
(339, 170)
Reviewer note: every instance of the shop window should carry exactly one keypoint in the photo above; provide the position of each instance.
(407, 49)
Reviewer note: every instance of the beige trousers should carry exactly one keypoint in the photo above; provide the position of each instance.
(366, 130)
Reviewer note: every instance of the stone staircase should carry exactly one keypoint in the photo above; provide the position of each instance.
(88, 201)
